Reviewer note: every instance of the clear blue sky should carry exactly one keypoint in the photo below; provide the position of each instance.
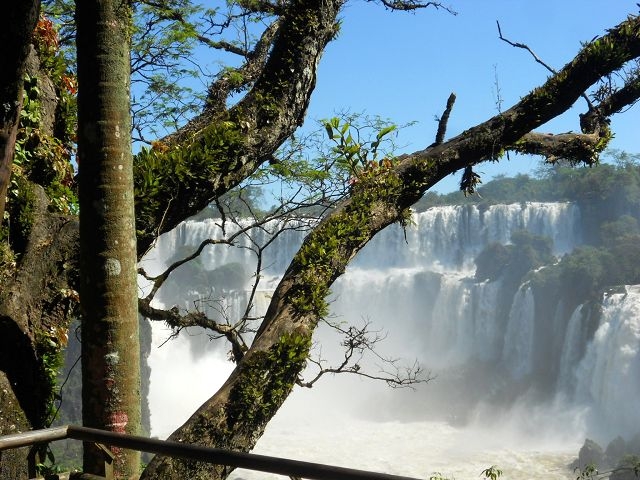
(403, 66)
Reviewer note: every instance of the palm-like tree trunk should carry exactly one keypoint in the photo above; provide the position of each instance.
(108, 292)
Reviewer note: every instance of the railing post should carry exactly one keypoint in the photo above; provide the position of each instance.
(31, 461)
(108, 461)
(105, 474)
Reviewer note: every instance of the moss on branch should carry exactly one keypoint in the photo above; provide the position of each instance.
(179, 181)
(266, 379)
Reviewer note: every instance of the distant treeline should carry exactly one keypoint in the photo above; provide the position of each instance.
(616, 183)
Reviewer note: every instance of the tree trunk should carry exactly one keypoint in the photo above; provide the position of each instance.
(108, 291)
(15, 37)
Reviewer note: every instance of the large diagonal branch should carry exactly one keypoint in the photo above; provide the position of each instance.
(211, 159)
(613, 103)
(237, 79)
(237, 414)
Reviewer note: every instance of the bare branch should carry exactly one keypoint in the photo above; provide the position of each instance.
(444, 120)
(613, 103)
(574, 147)
(177, 321)
(159, 280)
(410, 5)
(525, 47)
(357, 343)
(535, 57)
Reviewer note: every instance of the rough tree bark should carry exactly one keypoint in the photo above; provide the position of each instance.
(108, 278)
(32, 308)
(21, 18)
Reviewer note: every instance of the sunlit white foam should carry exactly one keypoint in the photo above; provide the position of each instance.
(180, 381)
(417, 449)
(608, 376)
(416, 285)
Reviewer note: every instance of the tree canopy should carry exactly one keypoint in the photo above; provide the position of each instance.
(252, 107)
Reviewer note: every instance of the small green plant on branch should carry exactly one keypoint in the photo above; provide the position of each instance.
(357, 156)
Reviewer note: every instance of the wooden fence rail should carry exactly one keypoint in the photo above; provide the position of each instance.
(263, 463)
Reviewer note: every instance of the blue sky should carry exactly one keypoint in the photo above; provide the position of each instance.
(403, 66)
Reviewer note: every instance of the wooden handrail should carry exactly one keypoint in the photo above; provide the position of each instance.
(263, 463)
(17, 440)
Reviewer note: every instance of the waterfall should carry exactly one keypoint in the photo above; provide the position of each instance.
(608, 375)
(518, 345)
(488, 353)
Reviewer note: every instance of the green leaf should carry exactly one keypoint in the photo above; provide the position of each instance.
(385, 131)
(329, 130)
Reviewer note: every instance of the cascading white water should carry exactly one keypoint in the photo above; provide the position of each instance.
(517, 355)
(417, 285)
(608, 376)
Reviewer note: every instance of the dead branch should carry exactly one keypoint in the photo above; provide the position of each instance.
(524, 47)
(177, 321)
(359, 342)
(574, 147)
(535, 57)
(409, 5)
(159, 280)
(444, 119)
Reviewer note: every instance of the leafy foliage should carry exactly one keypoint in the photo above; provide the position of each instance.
(355, 154)
(491, 473)
(43, 153)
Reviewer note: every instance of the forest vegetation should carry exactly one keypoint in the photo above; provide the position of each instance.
(220, 144)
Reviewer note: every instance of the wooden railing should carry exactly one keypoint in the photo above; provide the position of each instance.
(263, 463)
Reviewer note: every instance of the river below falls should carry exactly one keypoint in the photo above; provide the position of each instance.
(414, 449)
(354, 423)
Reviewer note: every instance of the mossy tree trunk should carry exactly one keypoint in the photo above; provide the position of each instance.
(37, 256)
(108, 290)
(20, 20)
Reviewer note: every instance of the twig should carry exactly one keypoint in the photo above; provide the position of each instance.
(536, 58)
(357, 342)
